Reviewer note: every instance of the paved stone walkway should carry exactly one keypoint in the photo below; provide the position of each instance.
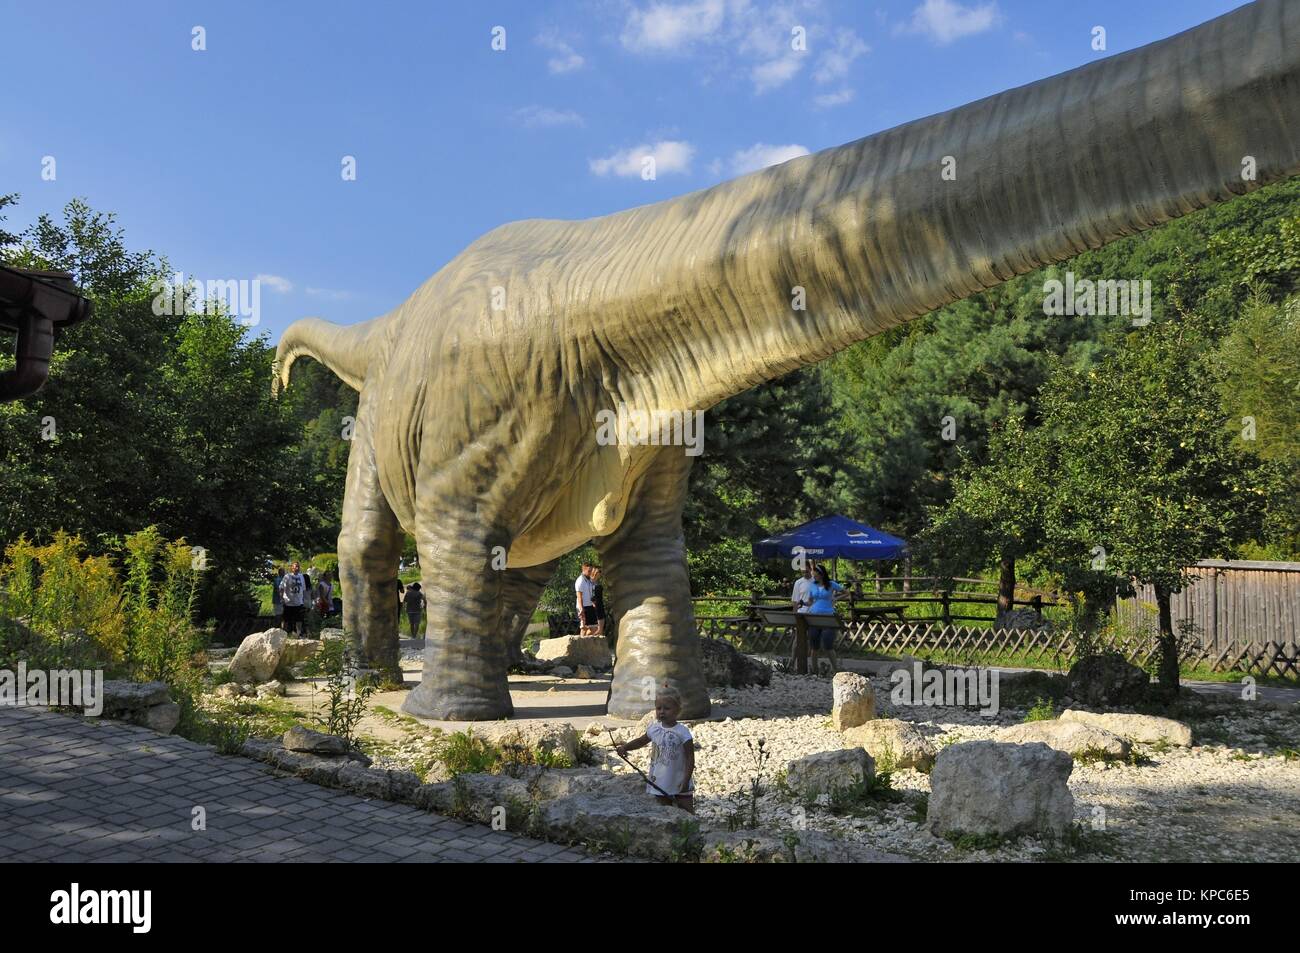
(78, 790)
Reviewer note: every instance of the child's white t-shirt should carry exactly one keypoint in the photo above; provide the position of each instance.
(668, 757)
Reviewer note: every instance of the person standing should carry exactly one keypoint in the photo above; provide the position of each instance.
(324, 592)
(414, 601)
(799, 598)
(822, 591)
(293, 592)
(598, 599)
(585, 596)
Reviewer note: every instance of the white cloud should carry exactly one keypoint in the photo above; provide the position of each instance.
(275, 283)
(761, 155)
(566, 58)
(776, 72)
(830, 100)
(769, 41)
(672, 27)
(834, 64)
(669, 156)
(946, 20)
(535, 117)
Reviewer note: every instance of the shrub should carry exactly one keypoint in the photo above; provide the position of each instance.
(68, 610)
(1042, 710)
(63, 609)
(465, 753)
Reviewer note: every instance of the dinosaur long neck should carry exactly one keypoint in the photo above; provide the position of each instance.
(702, 289)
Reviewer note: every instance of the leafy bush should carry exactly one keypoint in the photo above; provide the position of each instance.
(325, 562)
(68, 610)
(1042, 710)
(465, 753)
(62, 609)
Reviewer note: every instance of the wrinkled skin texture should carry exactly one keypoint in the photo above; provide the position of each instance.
(477, 426)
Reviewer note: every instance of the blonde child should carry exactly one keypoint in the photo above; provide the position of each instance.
(672, 757)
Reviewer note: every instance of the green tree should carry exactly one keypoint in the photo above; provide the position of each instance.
(921, 400)
(1259, 384)
(151, 418)
(1145, 469)
(996, 511)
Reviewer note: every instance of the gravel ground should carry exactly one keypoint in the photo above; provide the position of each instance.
(1235, 796)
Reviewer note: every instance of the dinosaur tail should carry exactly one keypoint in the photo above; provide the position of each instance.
(344, 349)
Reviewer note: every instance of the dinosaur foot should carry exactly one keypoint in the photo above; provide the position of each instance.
(632, 695)
(457, 703)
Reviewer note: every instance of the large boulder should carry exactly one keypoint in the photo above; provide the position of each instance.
(854, 700)
(989, 787)
(1074, 738)
(635, 824)
(1104, 680)
(828, 771)
(122, 697)
(575, 650)
(316, 768)
(726, 666)
(377, 783)
(258, 656)
(148, 704)
(554, 738)
(1147, 729)
(547, 783)
(307, 741)
(161, 718)
(892, 744)
(481, 797)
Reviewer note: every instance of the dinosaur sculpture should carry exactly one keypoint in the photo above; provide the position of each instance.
(479, 395)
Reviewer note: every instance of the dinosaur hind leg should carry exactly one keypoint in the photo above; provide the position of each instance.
(370, 545)
(465, 657)
(645, 560)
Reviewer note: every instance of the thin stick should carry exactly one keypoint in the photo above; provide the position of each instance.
(644, 776)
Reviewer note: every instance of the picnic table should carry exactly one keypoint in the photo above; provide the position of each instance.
(877, 613)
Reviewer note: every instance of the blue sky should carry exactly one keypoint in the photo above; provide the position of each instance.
(228, 160)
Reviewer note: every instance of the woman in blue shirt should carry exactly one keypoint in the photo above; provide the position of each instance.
(822, 591)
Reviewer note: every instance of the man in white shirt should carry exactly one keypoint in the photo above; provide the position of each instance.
(799, 597)
(293, 593)
(585, 592)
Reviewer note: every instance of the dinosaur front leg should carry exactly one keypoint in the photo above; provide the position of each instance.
(465, 662)
(370, 545)
(520, 591)
(645, 560)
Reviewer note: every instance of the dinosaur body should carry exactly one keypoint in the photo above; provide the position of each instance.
(481, 394)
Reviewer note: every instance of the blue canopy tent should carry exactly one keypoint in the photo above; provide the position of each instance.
(833, 537)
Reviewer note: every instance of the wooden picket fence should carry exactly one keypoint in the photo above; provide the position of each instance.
(1029, 648)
